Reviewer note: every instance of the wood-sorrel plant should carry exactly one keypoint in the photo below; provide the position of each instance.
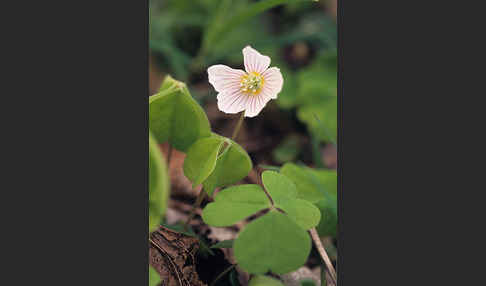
(292, 200)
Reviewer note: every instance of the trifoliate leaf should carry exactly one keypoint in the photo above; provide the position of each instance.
(307, 189)
(284, 195)
(201, 159)
(261, 280)
(235, 204)
(273, 242)
(232, 165)
(279, 186)
(176, 117)
(304, 213)
(323, 183)
(158, 185)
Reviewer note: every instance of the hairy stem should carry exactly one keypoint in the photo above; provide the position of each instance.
(238, 126)
(197, 204)
(323, 254)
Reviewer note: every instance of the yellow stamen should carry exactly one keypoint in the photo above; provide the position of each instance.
(251, 83)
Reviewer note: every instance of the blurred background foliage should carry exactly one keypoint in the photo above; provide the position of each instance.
(187, 36)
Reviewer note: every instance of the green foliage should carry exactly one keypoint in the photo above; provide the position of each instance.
(224, 244)
(321, 118)
(154, 277)
(321, 187)
(284, 194)
(273, 242)
(261, 280)
(307, 282)
(158, 185)
(270, 241)
(313, 91)
(201, 159)
(216, 162)
(176, 117)
(234, 204)
(288, 150)
(223, 22)
(301, 178)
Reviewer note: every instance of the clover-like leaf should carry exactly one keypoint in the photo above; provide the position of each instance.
(307, 189)
(233, 165)
(216, 161)
(261, 280)
(176, 117)
(323, 182)
(284, 195)
(158, 184)
(273, 242)
(201, 159)
(235, 204)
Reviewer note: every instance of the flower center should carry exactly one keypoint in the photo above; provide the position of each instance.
(251, 83)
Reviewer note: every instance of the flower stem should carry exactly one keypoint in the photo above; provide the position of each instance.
(197, 204)
(323, 253)
(238, 126)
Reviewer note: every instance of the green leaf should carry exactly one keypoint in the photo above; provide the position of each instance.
(235, 204)
(158, 185)
(224, 244)
(284, 195)
(278, 186)
(306, 188)
(176, 117)
(232, 165)
(323, 183)
(245, 14)
(154, 277)
(305, 214)
(201, 159)
(273, 242)
(328, 224)
(307, 282)
(321, 118)
(233, 278)
(261, 280)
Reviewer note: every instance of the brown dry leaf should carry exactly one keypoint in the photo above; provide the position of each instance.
(172, 254)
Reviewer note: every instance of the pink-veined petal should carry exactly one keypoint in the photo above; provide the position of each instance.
(255, 104)
(273, 82)
(232, 102)
(224, 78)
(254, 61)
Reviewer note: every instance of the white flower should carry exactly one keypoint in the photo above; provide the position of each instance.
(249, 91)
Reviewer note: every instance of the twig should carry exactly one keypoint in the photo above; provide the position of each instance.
(324, 256)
